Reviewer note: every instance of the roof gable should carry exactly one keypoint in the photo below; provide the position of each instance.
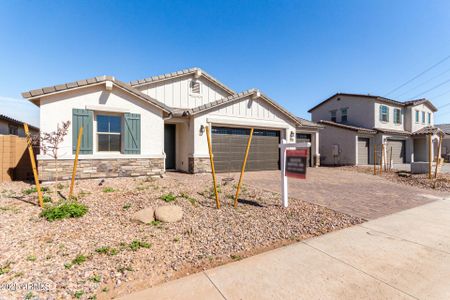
(182, 73)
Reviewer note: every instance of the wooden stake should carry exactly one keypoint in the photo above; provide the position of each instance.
(244, 163)
(430, 157)
(374, 159)
(33, 164)
(381, 159)
(390, 161)
(213, 171)
(75, 162)
(438, 160)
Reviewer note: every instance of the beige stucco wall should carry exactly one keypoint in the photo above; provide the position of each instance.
(412, 123)
(390, 124)
(57, 108)
(360, 110)
(176, 92)
(346, 142)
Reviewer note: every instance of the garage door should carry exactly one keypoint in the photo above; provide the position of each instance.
(305, 138)
(398, 151)
(363, 151)
(229, 148)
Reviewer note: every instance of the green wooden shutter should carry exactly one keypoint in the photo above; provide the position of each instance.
(132, 134)
(381, 112)
(82, 118)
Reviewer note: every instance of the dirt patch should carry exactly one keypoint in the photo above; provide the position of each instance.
(441, 183)
(106, 254)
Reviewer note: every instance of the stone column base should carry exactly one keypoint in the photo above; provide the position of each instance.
(199, 165)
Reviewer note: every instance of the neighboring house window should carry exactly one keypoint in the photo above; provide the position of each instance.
(429, 118)
(333, 116)
(384, 113)
(397, 116)
(195, 87)
(109, 133)
(344, 117)
(417, 116)
(423, 117)
(14, 130)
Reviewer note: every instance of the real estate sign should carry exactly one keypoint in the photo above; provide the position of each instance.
(296, 161)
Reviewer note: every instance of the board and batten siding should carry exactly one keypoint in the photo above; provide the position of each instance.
(57, 108)
(242, 113)
(177, 92)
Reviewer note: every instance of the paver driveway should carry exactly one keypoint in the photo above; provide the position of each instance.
(357, 194)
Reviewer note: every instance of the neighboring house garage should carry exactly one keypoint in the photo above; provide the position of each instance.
(229, 144)
(363, 150)
(397, 147)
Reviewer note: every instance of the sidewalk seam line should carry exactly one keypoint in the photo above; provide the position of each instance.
(210, 280)
(403, 239)
(350, 265)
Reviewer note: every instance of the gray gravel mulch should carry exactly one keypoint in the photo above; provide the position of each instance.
(34, 250)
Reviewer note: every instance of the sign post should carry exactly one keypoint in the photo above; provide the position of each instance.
(293, 164)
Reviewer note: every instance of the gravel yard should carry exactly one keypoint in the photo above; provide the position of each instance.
(104, 254)
(441, 183)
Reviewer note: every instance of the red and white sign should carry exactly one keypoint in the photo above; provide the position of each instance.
(296, 161)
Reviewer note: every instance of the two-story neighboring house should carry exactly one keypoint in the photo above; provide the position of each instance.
(356, 124)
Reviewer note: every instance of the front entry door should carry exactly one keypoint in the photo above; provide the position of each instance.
(169, 146)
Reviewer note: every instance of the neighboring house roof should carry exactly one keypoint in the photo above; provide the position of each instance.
(307, 123)
(393, 131)
(428, 130)
(181, 73)
(349, 127)
(381, 99)
(16, 122)
(444, 127)
(36, 94)
(237, 97)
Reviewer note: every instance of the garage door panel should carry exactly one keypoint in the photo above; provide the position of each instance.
(229, 145)
(397, 147)
(363, 151)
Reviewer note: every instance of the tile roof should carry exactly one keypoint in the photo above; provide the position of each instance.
(393, 131)
(33, 94)
(349, 127)
(179, 74)
(307, 123)
(381, 99)
(444, 127)
(16, 122)
(428, 130)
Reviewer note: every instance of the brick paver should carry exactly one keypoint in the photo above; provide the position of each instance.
(357, 194)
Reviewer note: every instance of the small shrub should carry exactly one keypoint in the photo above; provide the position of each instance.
(136, 245)
(168, 197)
(107, 250)
(5, 269)
(79, 259)
(126, 206)
(64, 210)
(47, 199)
(79, 294)
(108, 189)
(96, 278)
(31, 258)
(34, 190)
(113, 251)
(155, 223)
(29, 295)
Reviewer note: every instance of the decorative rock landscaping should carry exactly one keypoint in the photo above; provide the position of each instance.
(146, 215)
(169, 214)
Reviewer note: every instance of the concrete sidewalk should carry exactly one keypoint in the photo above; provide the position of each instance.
(401, 256)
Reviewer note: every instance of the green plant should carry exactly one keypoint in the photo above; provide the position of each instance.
(29, 295)
(126, 206)
(79, 259)
(107, 250)
(31, 258)
(34, 190)
(9, 208)
(81, 194)
(105, 290)
(135, 245)
(235, 257)
(113, 251)
(108, 189)
(68, 265)
(64, 210)
(155, 223)
(93, 297)
(79, 294)
(60, 186)
(47, 199)
(168, 197)
(5, 269)
(96, 278)
(186, 196)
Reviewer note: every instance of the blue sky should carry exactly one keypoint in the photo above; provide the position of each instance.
(297, 52)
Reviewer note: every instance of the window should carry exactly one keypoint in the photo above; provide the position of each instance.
(333, 116)
(417, 116)
(108, 133)
(429, 118)
(14, 130)
(195, 87)
(384, 113)
(397, 116)
(423, 117)
(344, 117)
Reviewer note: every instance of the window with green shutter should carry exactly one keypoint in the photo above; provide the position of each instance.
(82, 118)
(397, 116)
(384, 113)
(132, 133)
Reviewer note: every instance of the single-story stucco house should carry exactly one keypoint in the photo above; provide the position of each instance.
(156, 124)
(355, 123)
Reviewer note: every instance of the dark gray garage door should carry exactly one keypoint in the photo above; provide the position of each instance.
(305, 138)
(398, 151)
(229, 148)
(363, 151)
